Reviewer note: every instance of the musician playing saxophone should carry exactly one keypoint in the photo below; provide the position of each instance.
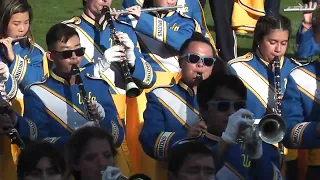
(257, 69)
(55, 108)
(300, 107)
(222, 102)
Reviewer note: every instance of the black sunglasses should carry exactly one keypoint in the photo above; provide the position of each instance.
(68, 53)
(194, 59)
(224, 106)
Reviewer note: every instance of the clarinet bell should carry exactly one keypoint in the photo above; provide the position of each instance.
(132, 90)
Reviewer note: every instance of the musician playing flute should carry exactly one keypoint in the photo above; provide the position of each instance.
(56, 107)
(305, 43)
(257, 68)
(192, 8)
(222, 102)
(22, 62)
(172, 109)
(300, 107)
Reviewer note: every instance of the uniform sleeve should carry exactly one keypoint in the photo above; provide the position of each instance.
(29, 69)
(35, 123)
(198, 15)
(155, 140)
(143, 73)
(129, 3)
(299, 134)
(306, 45)
(159, 29)
(11, 87)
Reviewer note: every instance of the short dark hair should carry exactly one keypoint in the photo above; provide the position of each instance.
(207, 88)
(266, 24)
(31, 155)
(59, 32)
(79, 140)
(180, 152)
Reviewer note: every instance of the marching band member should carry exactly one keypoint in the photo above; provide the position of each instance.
(300, 108)
(222, 99)
(192, 8)
(172, 109)
(58, 106)
(256, 69)
(21, 64)
(305, 43)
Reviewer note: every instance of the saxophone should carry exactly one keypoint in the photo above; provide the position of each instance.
(84, 98)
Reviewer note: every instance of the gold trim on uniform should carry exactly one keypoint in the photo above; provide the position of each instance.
(55, 117)
(148, 73)
(235, 172)
(14, 88)
(52, 139)
(58, 78)
(186, 87)
(33, 129)
(297, 133)
(161, 146)
(115, 131)
(19, 68)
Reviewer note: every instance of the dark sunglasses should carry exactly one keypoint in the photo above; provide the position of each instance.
(68, 53)
(224, 106)
(194, 59)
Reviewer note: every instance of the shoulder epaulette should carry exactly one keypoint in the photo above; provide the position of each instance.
(123, 22)
(302, 66)
(296, 62)
(39, 47)
(75, 20)
(244, 58)
(172, 83)
(43, 79)
(91, 76)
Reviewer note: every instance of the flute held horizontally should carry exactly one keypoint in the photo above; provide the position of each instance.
(156, 9)
(299, 9)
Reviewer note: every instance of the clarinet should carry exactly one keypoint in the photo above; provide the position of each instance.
(278, 93)
(132, 89)
(84, 98)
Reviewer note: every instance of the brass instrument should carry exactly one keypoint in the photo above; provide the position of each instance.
(132, 89)
(153, 9)
(299, 9)
(84, 98)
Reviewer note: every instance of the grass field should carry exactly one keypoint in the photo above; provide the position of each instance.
(49, 12)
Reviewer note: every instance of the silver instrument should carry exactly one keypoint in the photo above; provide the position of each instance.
(19, 38)
(153, 9)
(299, 9)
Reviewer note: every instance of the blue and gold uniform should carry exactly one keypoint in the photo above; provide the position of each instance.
(306, 45)
(237, 164)
(300, 110)
(192, 8)
(259, 78)
(57, 109)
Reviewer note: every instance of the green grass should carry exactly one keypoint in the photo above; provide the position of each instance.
(49, 12)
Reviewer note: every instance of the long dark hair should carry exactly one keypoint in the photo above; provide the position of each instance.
(266, 24)
(10, 7)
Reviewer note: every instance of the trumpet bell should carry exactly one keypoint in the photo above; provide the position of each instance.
(132, 90)
(272, 128)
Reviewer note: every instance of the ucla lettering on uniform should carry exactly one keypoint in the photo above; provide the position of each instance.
(245, 161)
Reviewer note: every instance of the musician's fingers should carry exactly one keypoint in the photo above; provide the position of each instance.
(202, 125)
(310, 4)
(9, 40)
(315, 4)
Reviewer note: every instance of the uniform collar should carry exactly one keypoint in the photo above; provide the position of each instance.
(267, 63)
(186, 87)
(164, 14)
(92, 21)
(58, 78)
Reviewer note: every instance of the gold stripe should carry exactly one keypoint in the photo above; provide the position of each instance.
(267, 82)
(308, 94)
(167, 145)
(87, 18)
(109, 82)
(64, 99)
(45, 65)
(15, 66)
(155, 24)
(233, 170)
(23, 71)
(140, 3)
(310, 74)
(183, 123)
(184, 101)
(56, 77)
(157, 143)
(164, 32)
(58, 120)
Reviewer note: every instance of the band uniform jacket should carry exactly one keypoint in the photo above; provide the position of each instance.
(305, 44)
(300, 110)
(237, 165)
(191, 8)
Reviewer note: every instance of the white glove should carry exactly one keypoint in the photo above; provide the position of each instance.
(101, 113)
(235, 120)
(254, 148)
(129, 46)
(111, 173)
(4, 72)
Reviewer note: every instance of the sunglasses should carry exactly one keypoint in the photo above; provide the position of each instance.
(194, 59)
(224, 106)
(68, 53)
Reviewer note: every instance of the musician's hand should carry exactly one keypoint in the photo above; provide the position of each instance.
(96, 110)
(7, 42)
(129, 47)
(135, 11)
(307, 16)
(7, 123)
(4, 72)
(254, 148)
(235, 122)
(196, 129)
(113, 54)
(117, 15)
(111, 173)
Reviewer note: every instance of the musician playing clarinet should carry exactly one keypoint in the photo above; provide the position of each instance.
(257, 69)
(222, 102)
(300, 107)
(172, 109)
(56, 107)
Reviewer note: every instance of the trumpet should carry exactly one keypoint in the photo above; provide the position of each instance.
(153, 9)
(299, 9)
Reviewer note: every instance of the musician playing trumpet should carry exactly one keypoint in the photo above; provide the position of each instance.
(222, 102)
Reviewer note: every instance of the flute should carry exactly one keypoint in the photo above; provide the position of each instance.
(299, 9)
(125, 12)
(19, 38)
